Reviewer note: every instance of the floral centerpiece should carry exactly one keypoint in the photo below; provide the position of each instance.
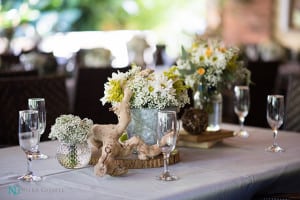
(72, 133)
(212, 64)
(209, 67)
(151, 92)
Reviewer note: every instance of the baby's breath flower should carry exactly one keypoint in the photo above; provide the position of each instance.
(71, 129)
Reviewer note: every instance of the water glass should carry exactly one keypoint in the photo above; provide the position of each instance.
(275, 115)
(241, 107)
(28, 140)
(167, 130)
(39, 105)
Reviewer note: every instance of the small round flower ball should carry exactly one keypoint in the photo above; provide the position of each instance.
(194, 121)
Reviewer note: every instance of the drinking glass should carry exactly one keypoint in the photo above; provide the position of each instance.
(28, 139)
(241, 107)
(39, 105)
(167, 129)
(275, 115)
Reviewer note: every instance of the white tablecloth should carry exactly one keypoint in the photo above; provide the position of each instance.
(237, 168)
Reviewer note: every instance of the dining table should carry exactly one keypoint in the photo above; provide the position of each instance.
(234, 168)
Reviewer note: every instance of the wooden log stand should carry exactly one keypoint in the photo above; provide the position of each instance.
(132, 161)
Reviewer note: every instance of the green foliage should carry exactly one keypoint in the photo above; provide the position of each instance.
(173, 21)
(105, 14)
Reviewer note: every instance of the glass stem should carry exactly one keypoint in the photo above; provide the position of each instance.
(166, 161)
(36, 148)
(29, 170)
(275, 132)
(242, 119)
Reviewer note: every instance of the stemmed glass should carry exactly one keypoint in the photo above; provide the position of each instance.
(28, 139)
(275, 115)
(39, 105)
(167, 129)
(241, 107)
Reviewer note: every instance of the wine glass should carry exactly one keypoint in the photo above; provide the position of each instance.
(167, 130)
(28, 139)
(241, 107)
(39, 105)
(275, 114)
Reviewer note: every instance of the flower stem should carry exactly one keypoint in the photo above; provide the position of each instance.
(72, 156)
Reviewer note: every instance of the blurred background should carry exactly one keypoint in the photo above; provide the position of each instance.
(63, 27)
(62, 37)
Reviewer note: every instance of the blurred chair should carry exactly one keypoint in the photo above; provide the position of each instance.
(44, 62)
(284, 72)
(89, 90)
(18, 73)
(228, 114)
(136, 48)
(9, 61)
(94, 58)
(292, 121)
(263, 76)
(14, 93)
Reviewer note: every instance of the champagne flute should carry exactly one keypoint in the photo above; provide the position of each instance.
(241, 107)
(28, 139)
(39, 105)
(167, 126)
(275, 114)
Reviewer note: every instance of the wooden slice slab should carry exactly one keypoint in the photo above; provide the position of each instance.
(132, 161)
(203, 140)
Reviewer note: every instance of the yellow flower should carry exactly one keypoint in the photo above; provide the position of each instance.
(116, 92)
(201, 71)
(208, 52)
(222, 49)
(195, 45)
(201, 58)
(170, 74)
(151, 89)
